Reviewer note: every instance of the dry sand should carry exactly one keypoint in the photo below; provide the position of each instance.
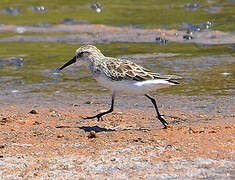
(56, 143)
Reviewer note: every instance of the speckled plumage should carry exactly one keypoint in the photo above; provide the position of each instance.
(118, 69)
(121, 76)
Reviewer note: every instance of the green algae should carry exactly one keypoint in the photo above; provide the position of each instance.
(150, 13)
(42, 58)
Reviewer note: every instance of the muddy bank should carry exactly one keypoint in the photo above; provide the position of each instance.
(54, 141)
(90, 33)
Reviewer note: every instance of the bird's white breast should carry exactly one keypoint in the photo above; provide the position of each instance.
(133, 87)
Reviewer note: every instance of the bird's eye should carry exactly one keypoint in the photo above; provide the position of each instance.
(82, 53)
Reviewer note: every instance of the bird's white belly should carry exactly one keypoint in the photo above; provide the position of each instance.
(133, 87)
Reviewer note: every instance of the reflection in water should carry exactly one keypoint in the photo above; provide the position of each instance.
(206, 70)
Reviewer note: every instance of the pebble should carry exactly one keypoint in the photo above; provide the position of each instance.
(60, 136)
(3, 121)
(37, 123)
(34, 111)
(88, 102)
(188, 37)
(17, 61)
(92, 134)
(161, 41)
(3, 146)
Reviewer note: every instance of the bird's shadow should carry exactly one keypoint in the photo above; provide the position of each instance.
(95, 128)
(89, 128)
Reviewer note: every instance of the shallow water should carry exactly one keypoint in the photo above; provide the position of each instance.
(31, 67)
(150, 13)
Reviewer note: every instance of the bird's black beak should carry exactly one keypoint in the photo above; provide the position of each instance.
(68, 63)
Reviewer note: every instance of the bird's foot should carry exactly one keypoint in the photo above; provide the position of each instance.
(163, 121)
(98, 116)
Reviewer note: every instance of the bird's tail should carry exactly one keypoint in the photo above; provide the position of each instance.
(170, 78)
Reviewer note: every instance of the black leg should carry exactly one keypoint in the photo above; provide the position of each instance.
(158, 114)
(98, 116)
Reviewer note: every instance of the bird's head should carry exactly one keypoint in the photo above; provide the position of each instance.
(85, 55)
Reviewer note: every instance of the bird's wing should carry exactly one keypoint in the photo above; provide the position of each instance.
(118, 69)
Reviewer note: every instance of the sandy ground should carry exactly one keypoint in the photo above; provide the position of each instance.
(56, 143)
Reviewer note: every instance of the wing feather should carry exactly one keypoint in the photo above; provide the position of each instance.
(119, 69)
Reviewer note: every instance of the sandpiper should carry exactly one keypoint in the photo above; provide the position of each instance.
(121, 76)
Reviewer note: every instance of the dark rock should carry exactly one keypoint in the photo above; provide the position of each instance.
(188, 37)
(161, 41)
(3, 121)
(33, 111)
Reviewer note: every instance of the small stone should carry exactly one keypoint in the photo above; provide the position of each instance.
(188, 37)
(37, 123)
(60, 136)
(3, 121)
(35, 174)
(34, 111)
(88, 102)
(161, 40)
(54, 113)
(18, 62)
(3, 146)
(191, 131)
(92, 135)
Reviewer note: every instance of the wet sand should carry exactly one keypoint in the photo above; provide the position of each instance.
(55, 142)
